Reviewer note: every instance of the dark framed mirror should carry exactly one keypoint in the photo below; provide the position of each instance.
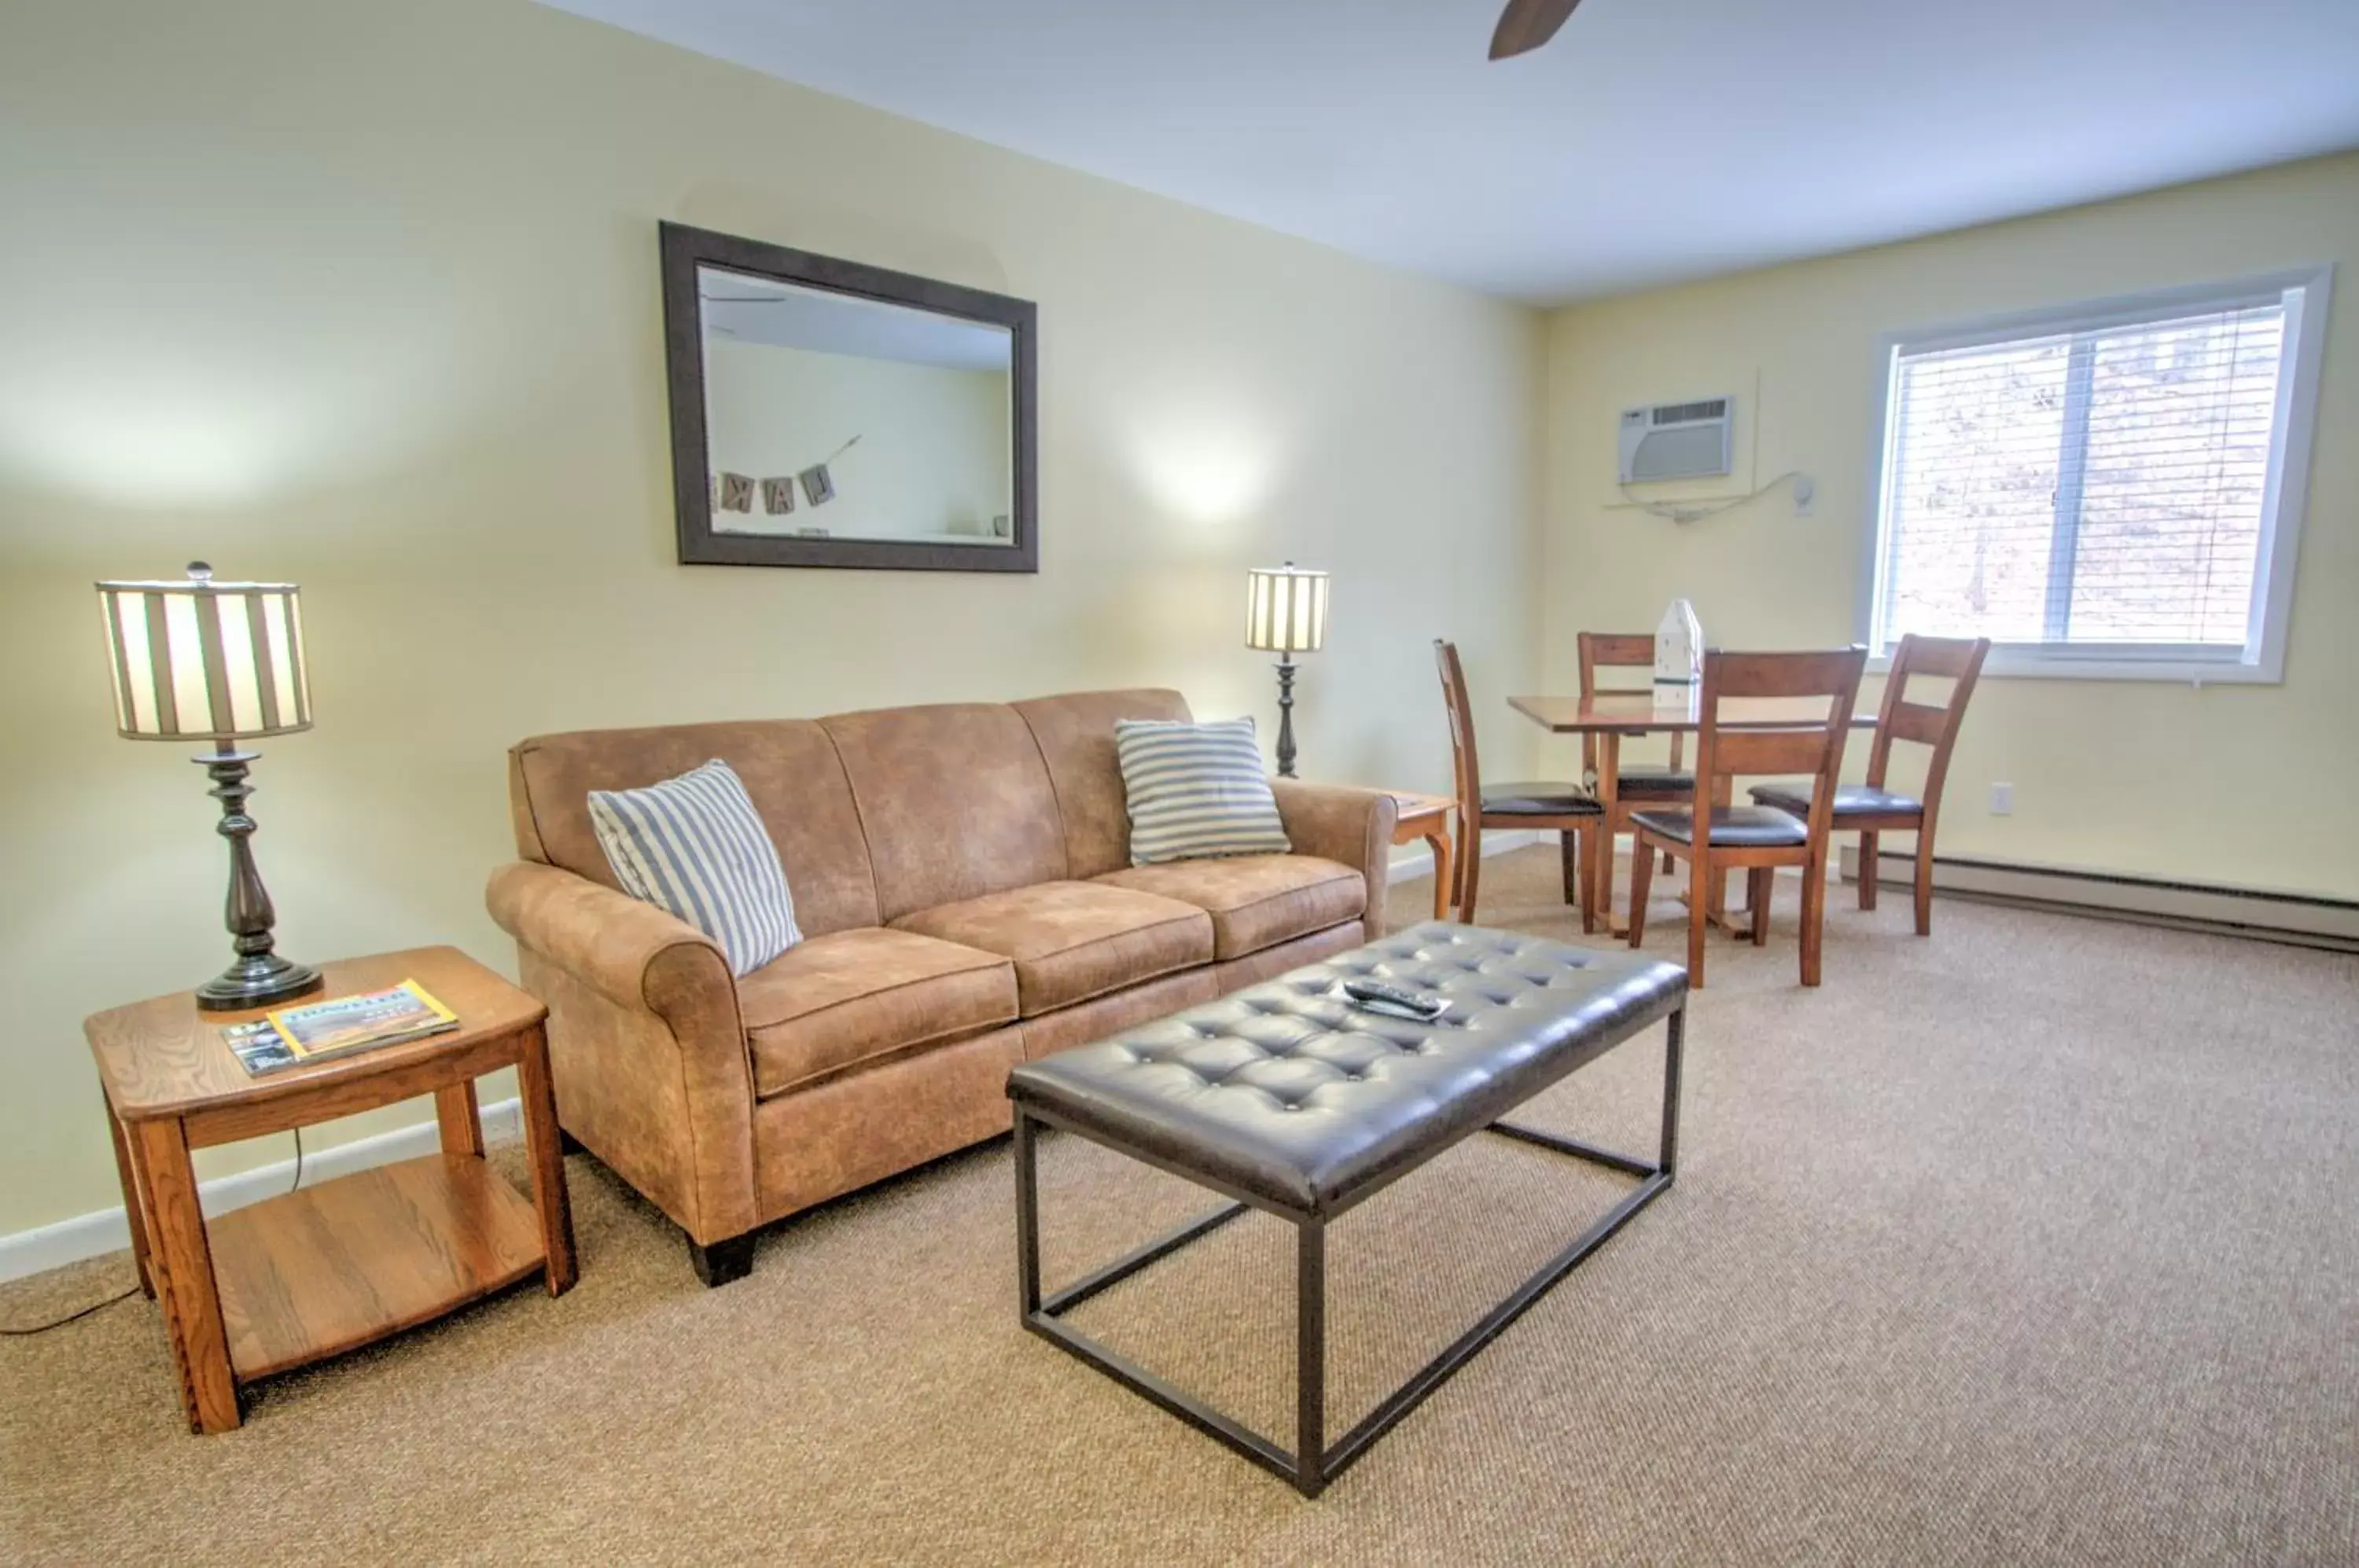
(828, 413)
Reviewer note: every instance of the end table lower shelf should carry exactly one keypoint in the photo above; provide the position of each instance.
(324, 1270)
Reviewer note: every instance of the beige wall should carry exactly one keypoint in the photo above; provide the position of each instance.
(365, 296)
(2238, 784)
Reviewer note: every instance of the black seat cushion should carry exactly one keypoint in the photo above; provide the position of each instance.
(1537, 799)
(1732, 827)
(1850, 800)
(1291, 1093)
(1652, 782)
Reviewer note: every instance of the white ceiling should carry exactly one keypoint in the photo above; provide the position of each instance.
(1653, 140)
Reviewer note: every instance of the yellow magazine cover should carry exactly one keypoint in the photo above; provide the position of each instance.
(403, 1012)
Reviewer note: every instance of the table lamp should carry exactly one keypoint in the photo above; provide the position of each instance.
(218, 662)
(1285, 614)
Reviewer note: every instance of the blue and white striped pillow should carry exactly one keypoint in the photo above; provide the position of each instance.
(1196, 790)
(695, 846)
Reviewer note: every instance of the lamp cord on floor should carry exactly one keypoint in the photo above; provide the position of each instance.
(70, 1317)
(126, 1295)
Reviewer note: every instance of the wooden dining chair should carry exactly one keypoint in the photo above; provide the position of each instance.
(1641, 784)
(1870, 809)
(1753, 839)
(1565, 809)
(1628, 650)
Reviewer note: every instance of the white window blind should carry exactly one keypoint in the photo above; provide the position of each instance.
(2107, 487)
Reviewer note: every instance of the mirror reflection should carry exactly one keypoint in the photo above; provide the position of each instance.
(831, 416)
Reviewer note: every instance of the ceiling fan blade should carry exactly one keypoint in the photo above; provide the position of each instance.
(1525, 25)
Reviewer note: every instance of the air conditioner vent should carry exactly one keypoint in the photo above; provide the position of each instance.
(1677, 440)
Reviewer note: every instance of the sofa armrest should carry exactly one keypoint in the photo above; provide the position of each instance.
(646, 1044)
(1341, 823)
(613, 943)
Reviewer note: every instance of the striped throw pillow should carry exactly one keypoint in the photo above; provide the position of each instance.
(695, 846)
(1196, 790)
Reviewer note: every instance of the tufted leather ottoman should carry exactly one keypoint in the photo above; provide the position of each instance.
(1291, 1098)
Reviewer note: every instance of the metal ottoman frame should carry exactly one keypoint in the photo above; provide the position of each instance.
(1313, 1463)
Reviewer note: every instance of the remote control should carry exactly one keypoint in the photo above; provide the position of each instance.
(1406, 1015)
(1398, 1001)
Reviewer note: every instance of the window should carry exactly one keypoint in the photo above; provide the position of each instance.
(2108, 491)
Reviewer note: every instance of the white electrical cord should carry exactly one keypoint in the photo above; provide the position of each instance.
(1685, 512)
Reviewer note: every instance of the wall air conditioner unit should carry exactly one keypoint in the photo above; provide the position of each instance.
(1677, 440)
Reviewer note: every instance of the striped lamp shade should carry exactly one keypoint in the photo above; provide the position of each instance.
(1286, 609)
(205, 660)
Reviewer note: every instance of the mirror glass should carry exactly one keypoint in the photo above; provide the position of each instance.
(831, 416)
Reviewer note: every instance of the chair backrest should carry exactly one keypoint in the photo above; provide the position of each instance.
(1465, 771)
(1820, 686)
(1958, 660)
(1616, 650)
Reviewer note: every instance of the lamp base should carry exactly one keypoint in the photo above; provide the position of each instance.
(1286, 715)
(258, 976)
(257, 982)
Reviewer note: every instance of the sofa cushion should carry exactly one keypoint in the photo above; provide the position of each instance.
(1196, 790)
(956, 800)
(1073, 940)
(1076, 737)
(693, 847)
(851, 996)
(1255, 900)
(790, 772)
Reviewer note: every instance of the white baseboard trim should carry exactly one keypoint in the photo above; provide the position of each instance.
(2196, 905)
(1420, 863)
(107, 1230)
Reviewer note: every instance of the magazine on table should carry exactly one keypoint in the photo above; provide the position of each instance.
(291, 1036)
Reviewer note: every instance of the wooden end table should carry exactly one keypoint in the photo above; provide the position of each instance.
(320, 1270)
(1426, 817)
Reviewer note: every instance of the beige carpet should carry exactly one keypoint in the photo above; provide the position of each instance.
(2034, 1242)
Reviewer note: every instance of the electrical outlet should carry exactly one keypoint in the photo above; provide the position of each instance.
(2002, 800)
(1806, 495)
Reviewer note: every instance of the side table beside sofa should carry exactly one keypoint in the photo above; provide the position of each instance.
(1427, 817)
(323, 1270)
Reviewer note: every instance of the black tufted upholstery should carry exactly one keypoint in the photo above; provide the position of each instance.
(1850, 800)
(1290, 1093)
(1536, 799)
(1734, 827)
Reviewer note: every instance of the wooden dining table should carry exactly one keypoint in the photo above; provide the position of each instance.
(1664, 710)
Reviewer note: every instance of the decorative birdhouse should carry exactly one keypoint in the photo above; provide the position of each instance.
(1679, 647)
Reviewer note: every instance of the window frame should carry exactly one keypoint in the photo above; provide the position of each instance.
(2306, 293)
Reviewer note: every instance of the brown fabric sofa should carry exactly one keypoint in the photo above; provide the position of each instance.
(961, 877)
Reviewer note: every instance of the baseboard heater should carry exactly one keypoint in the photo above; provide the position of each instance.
(2299, 919)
